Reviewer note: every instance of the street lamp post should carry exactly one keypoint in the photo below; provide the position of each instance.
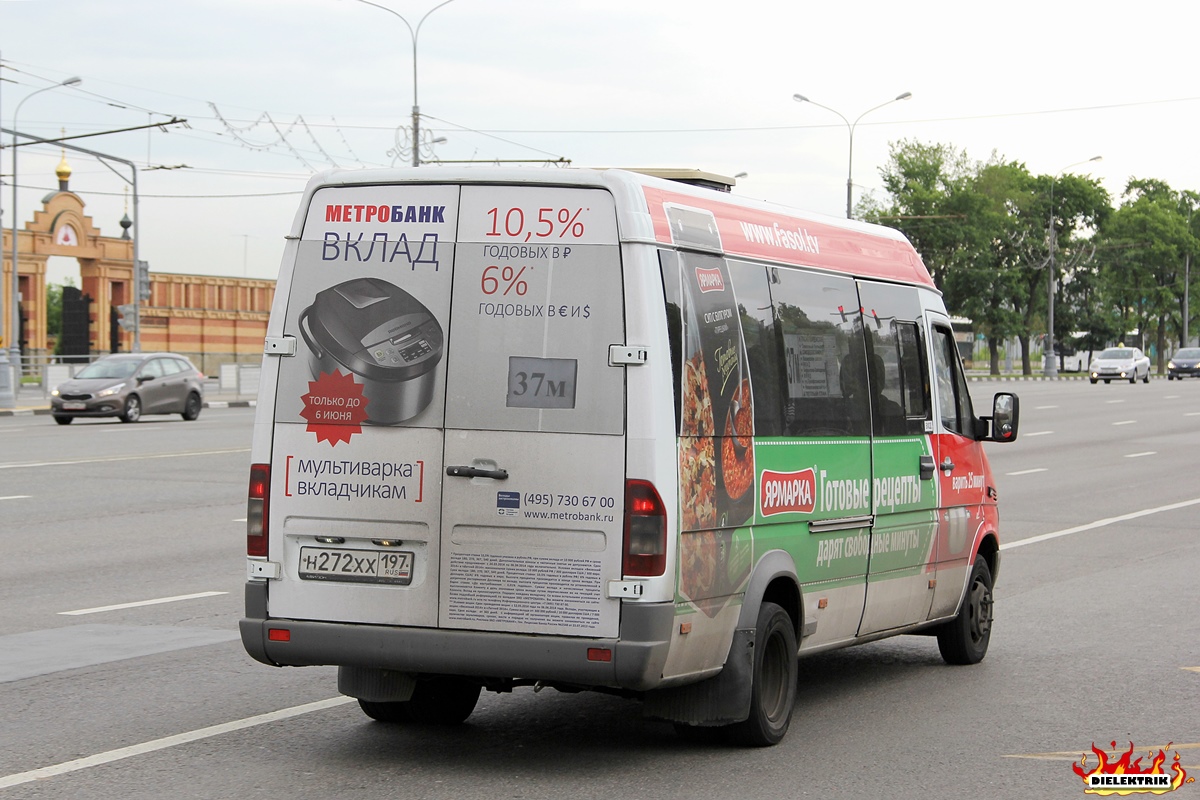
(1051, 366)
(799, 98)
(8, 393)
(416, 109)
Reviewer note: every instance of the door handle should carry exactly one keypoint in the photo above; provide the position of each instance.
(927, 468)
(946, 465)
(476, 472)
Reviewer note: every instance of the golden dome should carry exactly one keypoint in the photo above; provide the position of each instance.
(63, 170)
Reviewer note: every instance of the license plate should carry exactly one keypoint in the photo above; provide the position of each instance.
(356, 566)
(74, 406)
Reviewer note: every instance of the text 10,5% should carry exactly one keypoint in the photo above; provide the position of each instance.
(558, 223)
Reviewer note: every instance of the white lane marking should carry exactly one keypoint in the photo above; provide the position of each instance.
(1126, 422)
(1100, 523)
(1139, 455)
(139, 603)
(16, 497)
(110, 459)
(1111, 402)
(1043, 408)
(243, 519)
(1027, 471)
(119, 754)
(1037, 433)
(1192, 414)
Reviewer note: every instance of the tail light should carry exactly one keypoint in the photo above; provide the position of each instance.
(645, 530)
(256, 509)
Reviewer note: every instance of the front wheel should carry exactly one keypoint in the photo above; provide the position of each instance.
(1092, 380)
(964, 639)
(773, 693)
(133, 409)
(61, 420)
(1146, 377)
(434, 701)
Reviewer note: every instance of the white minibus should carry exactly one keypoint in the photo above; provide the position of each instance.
(594, 429)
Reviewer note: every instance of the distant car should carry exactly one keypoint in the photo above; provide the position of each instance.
(128, 385)
(1123, 363)
(1184, 364)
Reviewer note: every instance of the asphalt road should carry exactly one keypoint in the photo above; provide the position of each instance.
(106, 695)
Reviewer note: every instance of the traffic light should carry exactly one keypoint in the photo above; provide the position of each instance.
(127, 312)
(143, 280)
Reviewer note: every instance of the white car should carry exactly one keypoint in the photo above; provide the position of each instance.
(1124, 363)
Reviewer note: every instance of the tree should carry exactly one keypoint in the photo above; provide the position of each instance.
(965, 219)
(1147, 242)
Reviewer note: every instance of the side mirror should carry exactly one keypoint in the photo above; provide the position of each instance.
(143, 378)
(1006, 413)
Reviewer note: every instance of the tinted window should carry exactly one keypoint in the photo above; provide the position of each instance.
(169, 366)
(669, 263)
(900, 381)
(825, 378)
(954, 401)
(764, 357)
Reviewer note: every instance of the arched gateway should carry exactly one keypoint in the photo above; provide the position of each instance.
(211, 319)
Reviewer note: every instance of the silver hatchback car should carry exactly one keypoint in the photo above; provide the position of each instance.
(128, 385)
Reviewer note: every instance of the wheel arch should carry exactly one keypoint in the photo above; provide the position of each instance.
(989, 548)
(774, 581)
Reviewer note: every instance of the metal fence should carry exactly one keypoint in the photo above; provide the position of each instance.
(40, 374)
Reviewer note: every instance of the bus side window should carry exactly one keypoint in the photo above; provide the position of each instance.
(825, 375)
(763, 355)
(954, 401)
(669, 265)
(914, 377)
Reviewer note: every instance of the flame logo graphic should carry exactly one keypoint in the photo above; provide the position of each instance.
(1128, 765)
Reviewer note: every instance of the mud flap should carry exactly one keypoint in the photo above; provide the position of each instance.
(721, 700)
(375, 685)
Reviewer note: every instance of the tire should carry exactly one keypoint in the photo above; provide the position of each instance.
(63, 420)
(964, 640)
(1146, 377)
(435, 701)
(1107, 381)
(1092, 380)
(773, 694)
(1134, 377)
(133, 409)
(191, 410)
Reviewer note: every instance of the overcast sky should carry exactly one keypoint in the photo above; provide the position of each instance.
(276, 90)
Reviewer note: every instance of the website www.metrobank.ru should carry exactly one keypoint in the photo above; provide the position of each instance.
(573, 516)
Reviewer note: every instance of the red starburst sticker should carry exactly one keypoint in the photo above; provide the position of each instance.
(334, 407)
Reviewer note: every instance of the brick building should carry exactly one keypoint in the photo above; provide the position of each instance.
(213, 320)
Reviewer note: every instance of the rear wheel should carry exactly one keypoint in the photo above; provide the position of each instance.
(133, 409)
(773, 695)
(434, 701)
(191, 409)
(1107, 381)
(63, 420)
(964, 640)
